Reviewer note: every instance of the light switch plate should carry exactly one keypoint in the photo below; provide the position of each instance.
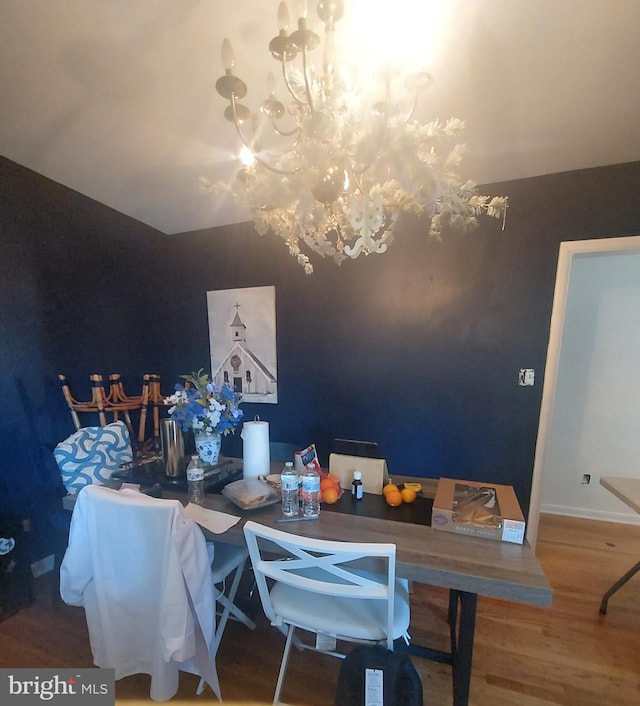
(526, 376)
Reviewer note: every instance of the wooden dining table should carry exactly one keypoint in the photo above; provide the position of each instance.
(467, 566)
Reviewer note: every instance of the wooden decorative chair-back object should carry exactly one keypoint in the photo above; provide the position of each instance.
(116, 403)
(156, 399)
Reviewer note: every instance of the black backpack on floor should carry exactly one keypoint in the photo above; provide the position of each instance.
(401, 684)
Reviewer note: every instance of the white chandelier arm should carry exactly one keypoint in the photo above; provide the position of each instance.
(282, 154)
(307, 82)
(286, 133)
(249, 146)
(287, 83)
(413, 107)
(416, 83)
(236, 122)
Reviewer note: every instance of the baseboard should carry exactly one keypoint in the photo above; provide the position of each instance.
(42, 566)
(624, 518)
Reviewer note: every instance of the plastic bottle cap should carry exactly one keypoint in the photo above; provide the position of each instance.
(357, 475)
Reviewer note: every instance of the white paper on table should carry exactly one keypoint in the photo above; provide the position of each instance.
(130, 486)
(214, 521)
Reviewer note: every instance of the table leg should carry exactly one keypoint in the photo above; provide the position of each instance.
(462, 627)
(618, 584)
(462, 622)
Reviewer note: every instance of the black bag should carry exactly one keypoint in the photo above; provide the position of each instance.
(401, 684)
(16, 579)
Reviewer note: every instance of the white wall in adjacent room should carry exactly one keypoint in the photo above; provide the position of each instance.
(595, 428)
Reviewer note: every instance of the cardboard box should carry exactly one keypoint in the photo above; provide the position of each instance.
(478, 509)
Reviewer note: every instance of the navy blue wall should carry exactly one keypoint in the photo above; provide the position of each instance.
(417, 349)
(80, 293)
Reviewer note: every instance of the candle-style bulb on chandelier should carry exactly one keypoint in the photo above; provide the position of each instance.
(329, 168)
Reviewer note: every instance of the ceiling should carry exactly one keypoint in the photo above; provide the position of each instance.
(116, 98)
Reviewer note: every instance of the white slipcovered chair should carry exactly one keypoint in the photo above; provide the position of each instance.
(140, 568)
(337, 590)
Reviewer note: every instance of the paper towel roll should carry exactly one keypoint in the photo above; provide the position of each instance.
(255, 449)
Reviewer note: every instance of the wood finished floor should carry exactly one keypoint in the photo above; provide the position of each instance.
(567, 654)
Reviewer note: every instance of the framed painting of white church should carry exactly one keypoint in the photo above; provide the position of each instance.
(242, 338)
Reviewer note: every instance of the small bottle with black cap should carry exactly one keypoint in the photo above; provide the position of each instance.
(357, 489)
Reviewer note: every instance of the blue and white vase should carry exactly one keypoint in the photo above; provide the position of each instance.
(208, 448)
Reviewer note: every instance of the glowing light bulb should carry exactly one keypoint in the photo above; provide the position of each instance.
(283, 17)
(246, 156)
(301, 8)
(228, 59)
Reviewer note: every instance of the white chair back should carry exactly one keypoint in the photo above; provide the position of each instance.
(342, 570)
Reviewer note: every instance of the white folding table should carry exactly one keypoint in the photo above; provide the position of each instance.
(627, 490)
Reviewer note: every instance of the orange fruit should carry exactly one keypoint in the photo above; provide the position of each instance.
(328, 482)
(329, 496)
(389, 488)
(393, 498)
(408, 495)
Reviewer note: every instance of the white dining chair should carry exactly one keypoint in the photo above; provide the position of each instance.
(337, 590)
(141, 570)
(228, 560)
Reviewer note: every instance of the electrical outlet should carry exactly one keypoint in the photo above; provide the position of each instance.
(526, 376)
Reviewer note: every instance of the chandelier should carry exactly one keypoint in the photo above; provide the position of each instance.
(331, 169)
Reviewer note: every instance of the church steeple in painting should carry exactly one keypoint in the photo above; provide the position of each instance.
(238, 329)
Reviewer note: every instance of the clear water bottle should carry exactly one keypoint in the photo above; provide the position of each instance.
(310, 492)
(195, 480)
(289, 486)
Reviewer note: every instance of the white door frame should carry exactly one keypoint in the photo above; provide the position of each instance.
(563, 274)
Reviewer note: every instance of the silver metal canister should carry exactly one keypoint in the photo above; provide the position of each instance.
(172, 448)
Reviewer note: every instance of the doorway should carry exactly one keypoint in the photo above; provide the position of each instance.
(583, 427)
